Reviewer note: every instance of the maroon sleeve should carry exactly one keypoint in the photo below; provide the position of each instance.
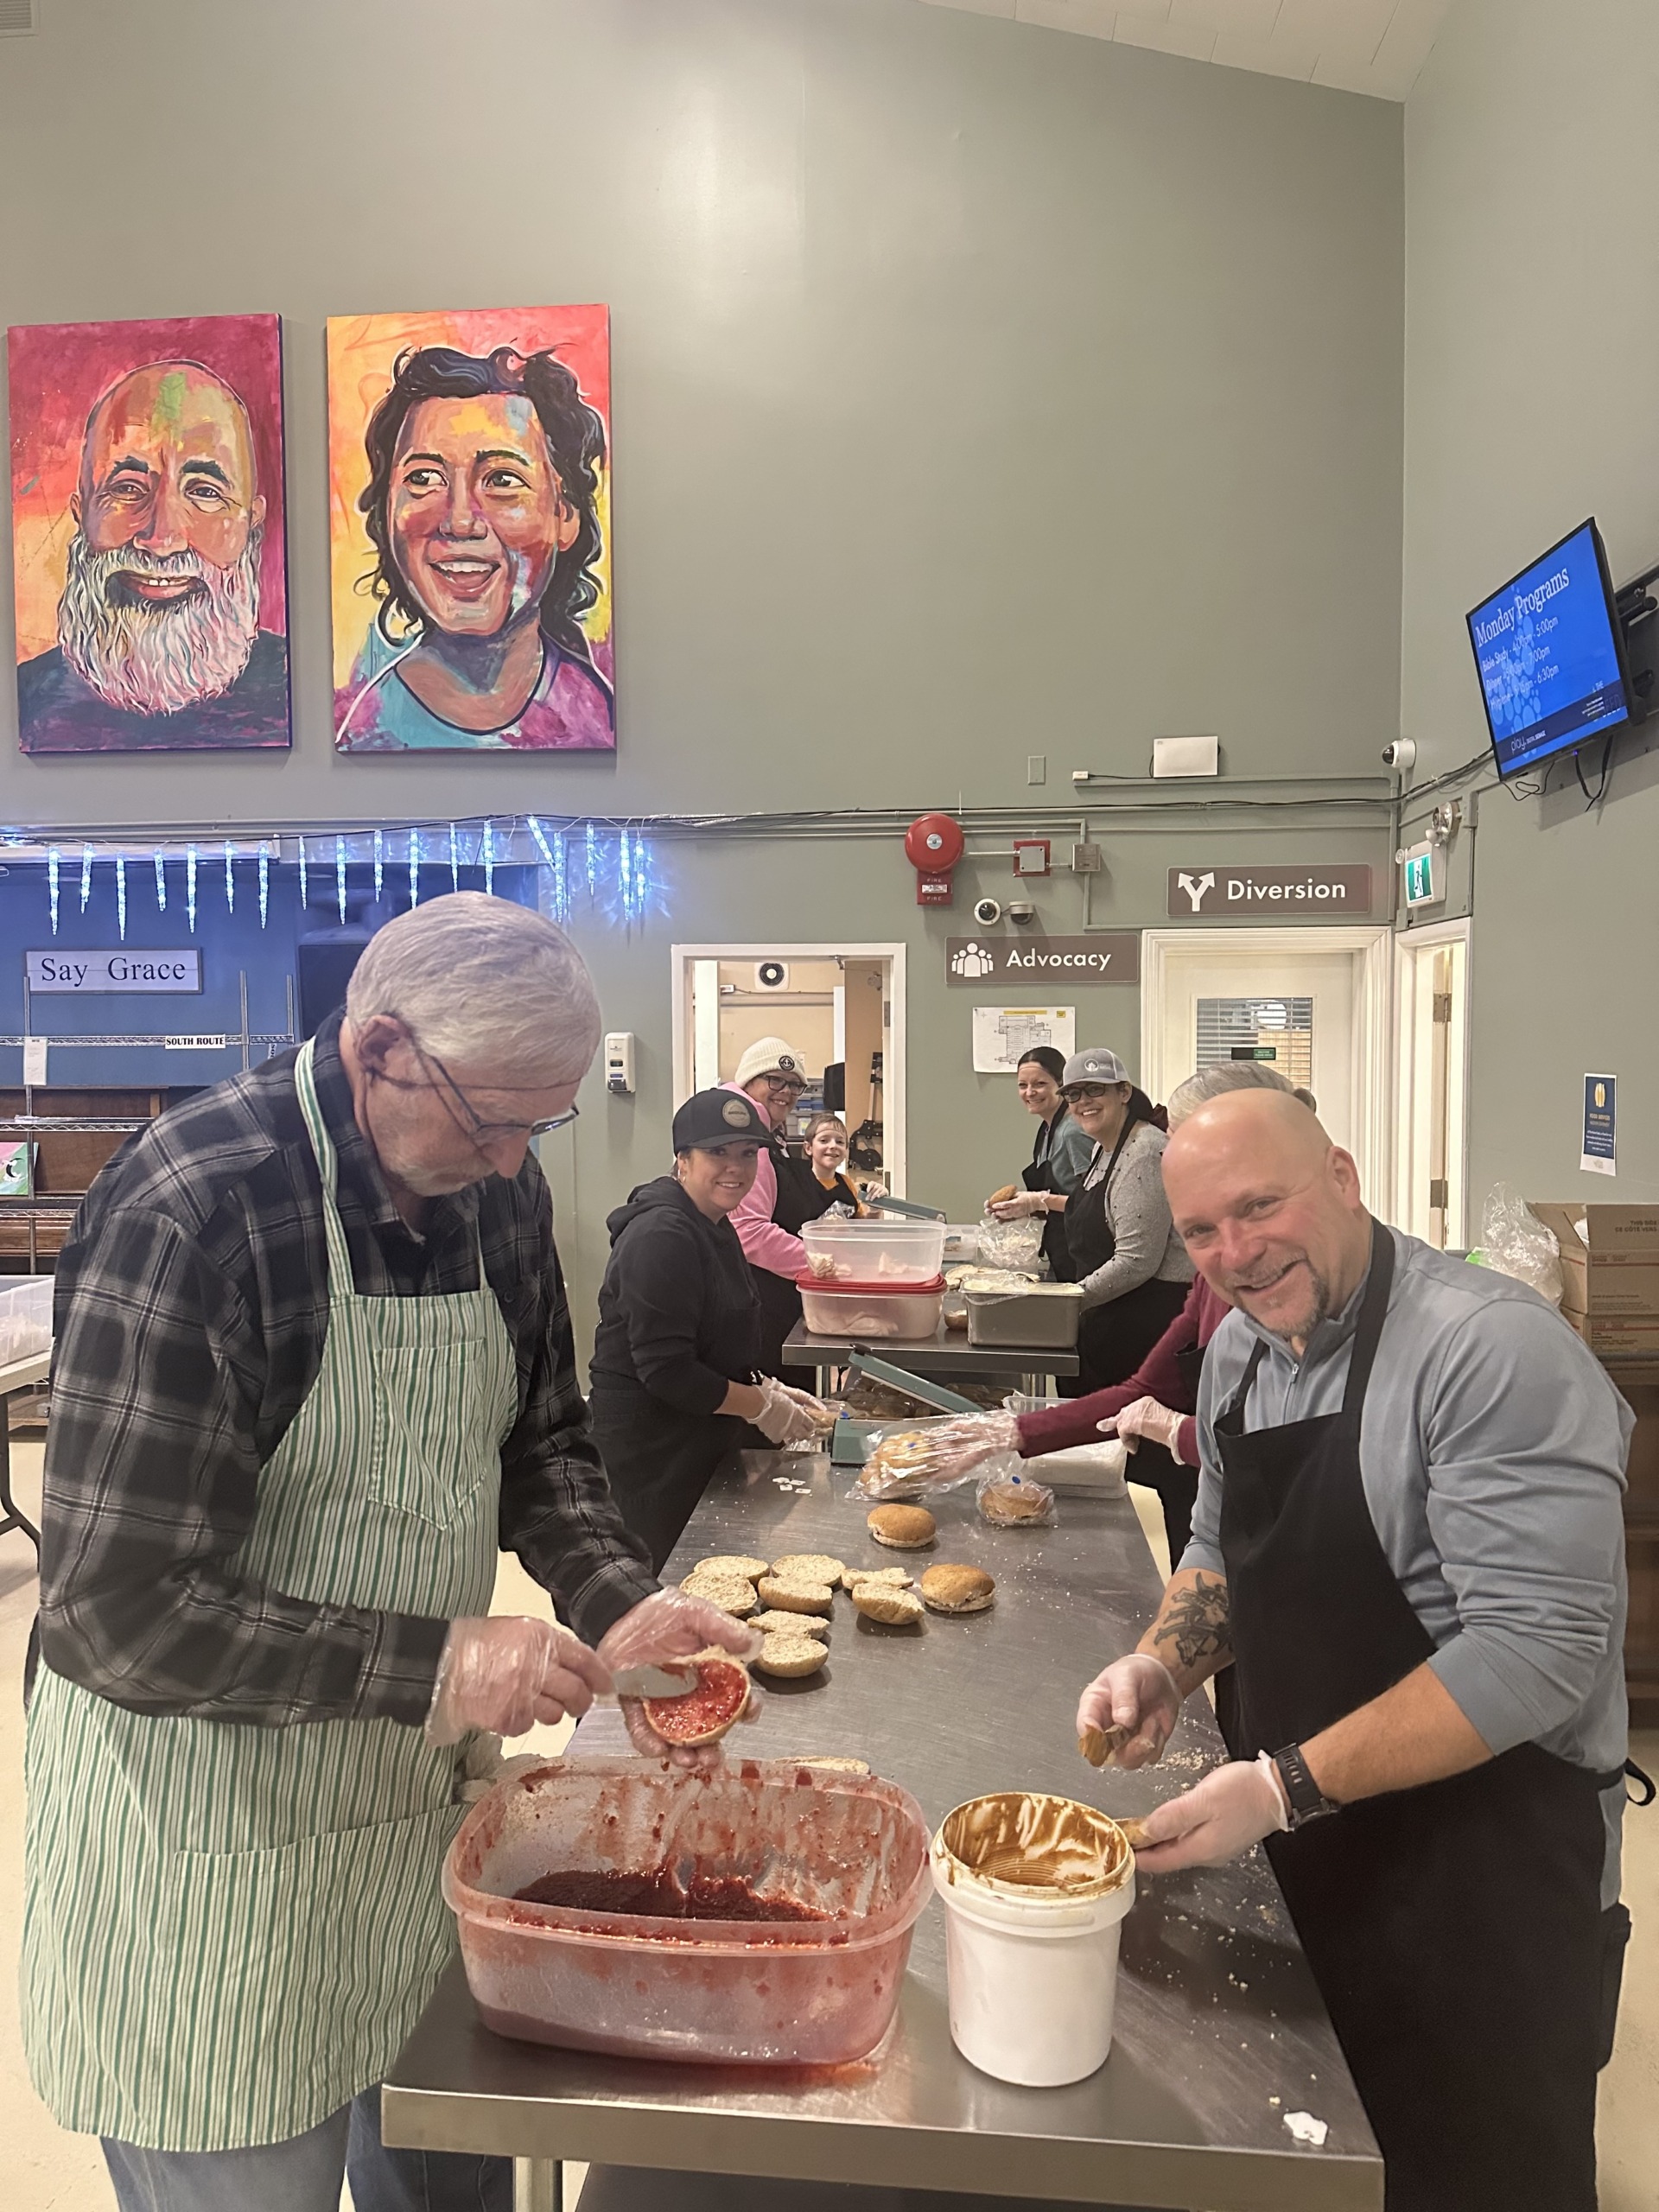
(1075, 1421)
(1187, 1441)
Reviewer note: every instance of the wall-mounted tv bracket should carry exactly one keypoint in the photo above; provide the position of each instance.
(1636, 607)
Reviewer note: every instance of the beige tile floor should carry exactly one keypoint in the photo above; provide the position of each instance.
(51, 2171)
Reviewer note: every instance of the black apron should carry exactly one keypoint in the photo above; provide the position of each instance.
(780, 1301)
(1454, 1928)
(659, 1461)
(1113, 1338)
(1039, 1176)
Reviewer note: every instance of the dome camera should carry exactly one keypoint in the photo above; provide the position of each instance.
(988, 912)
(1021, 910)
(1400, 755)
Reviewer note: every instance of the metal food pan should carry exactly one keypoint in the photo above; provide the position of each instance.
(1043, 1320)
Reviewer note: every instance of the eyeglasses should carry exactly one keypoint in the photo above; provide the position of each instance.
(1076, 1094)
(793, 1084)
(481, 1133)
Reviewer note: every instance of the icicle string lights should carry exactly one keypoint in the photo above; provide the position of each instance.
(414, 867)
(305, 888)
(53, 861)
(379, 864)
(264, 883)
(86, 876)
(161, 883)
(230, 880)
(455, 858)
(121, 894)
(339, 875)
(489, 859)
(593, 861)
(190, 884)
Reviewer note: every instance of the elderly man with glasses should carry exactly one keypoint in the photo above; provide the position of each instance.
(313, 1370)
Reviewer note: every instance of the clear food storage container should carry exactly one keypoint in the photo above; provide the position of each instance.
(25, 1317)
(793, 1993)
(1043, 1318)
(872, 1309)
(873, 1251)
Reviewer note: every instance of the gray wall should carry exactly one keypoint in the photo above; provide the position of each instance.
(979, 391)
(1532, 335)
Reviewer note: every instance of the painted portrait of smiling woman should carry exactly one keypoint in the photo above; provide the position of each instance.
(483, 497)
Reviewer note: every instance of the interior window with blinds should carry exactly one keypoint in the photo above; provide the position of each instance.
(1278, 1031)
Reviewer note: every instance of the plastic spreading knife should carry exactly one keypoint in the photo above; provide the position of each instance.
(653, 1681)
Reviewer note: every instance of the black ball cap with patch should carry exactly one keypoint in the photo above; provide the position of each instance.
(711, 1117)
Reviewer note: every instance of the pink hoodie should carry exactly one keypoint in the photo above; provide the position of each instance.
(765, 1245)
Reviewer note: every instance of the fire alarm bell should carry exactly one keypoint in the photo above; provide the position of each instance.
(933, 845)
(1031, 855)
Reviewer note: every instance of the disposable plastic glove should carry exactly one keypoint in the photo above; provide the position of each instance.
(820, 1414)
(503, 1674)
(960, 1444)
(667, 1626)
(781, 1420)
(1231, 1808)
(1146, 1417)
(1021, 1206)
(1137, 1693)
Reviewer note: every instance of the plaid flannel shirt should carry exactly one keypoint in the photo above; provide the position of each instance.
(191, 1309)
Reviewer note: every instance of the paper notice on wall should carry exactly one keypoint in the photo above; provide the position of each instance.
(1003, 1033)
(1599, 1154)
(34, 1061)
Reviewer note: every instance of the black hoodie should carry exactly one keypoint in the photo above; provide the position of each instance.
(678, 1312)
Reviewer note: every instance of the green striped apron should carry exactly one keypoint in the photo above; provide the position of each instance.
(230, 1931)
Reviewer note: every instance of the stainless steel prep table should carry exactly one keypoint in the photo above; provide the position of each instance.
(16, 1375)
(947, 1352)
(1220, 2031)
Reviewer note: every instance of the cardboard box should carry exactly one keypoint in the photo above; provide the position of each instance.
(1617, 1338)
(1613, 1268)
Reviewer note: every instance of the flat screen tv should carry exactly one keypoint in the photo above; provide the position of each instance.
(1551, 655)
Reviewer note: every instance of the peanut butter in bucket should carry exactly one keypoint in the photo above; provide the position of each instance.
(1030, 1842)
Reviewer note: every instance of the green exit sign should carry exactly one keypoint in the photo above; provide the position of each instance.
(1419, 877)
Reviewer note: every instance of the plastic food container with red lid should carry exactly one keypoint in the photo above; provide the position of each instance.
(789, 1992)
(871, 1309)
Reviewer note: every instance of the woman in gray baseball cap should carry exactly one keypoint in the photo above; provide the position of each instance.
(1124, 1250)
(678, 1341)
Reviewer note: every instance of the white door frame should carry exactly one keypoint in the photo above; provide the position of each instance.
(892, 1075)
(1373, 1072)
(1407, 945)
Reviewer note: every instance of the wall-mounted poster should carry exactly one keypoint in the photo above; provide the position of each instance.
(470, 530)
(147, 535)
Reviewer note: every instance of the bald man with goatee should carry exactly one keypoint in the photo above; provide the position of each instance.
(1407, 1545)
(159, 644)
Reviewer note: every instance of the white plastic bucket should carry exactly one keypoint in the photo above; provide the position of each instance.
(1033, 1969)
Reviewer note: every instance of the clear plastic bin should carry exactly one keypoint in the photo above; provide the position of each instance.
(871, 1309)
(777, 1993)
(1042, 1319)
(875, 1251)
(25, 1317)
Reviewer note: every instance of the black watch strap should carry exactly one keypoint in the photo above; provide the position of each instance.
(1307, 1802)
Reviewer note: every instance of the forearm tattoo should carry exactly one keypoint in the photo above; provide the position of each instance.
(1197, 1625)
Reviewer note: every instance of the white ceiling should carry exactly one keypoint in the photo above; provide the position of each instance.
(1360, 46)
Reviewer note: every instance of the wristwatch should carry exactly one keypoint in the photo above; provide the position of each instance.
(1306, 1801)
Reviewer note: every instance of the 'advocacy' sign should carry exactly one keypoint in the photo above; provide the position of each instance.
(1300, 893)
(1113, 956)
(78, 971)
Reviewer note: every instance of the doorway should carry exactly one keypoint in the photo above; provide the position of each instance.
(1432, 1083)
(841, 1005)
(1312, 1002)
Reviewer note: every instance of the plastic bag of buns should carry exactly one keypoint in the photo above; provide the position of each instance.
(915, 1460)
(1014, 1500)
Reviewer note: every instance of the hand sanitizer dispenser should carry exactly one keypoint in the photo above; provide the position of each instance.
(619, 1061)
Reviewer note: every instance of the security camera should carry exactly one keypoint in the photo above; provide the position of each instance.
(988, 912)
(1402, 754)
(1021, 910)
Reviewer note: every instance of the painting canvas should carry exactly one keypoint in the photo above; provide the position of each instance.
(147, 535)
(470, 530)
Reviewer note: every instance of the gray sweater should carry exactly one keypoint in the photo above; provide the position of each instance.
(1148, 1249)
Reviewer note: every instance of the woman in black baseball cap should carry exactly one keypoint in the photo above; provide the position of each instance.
(674, 1365)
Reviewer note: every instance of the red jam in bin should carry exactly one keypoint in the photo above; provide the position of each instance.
(668, 1951)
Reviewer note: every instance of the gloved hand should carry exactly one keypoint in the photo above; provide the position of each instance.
(668, 1626)
(781, 1420)
(1021, 1206)
(501, 1675)
(1232, 1808)
(960, 1444)
(820, 1414)
(1138, 1693)
(1146, 1417)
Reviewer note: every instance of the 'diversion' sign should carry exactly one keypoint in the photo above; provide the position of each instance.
(1300, 893)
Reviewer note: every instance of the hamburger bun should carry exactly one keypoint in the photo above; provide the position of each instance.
(898, 1462)
(808, 1566)
(957, 1589)
(731, 1567)
(894, 1576)
(902, 1528)
(880, 1601)
(1008, 1503)
(777, 1622)
(789, 1656)
(731, 1596)
(790, 1595)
